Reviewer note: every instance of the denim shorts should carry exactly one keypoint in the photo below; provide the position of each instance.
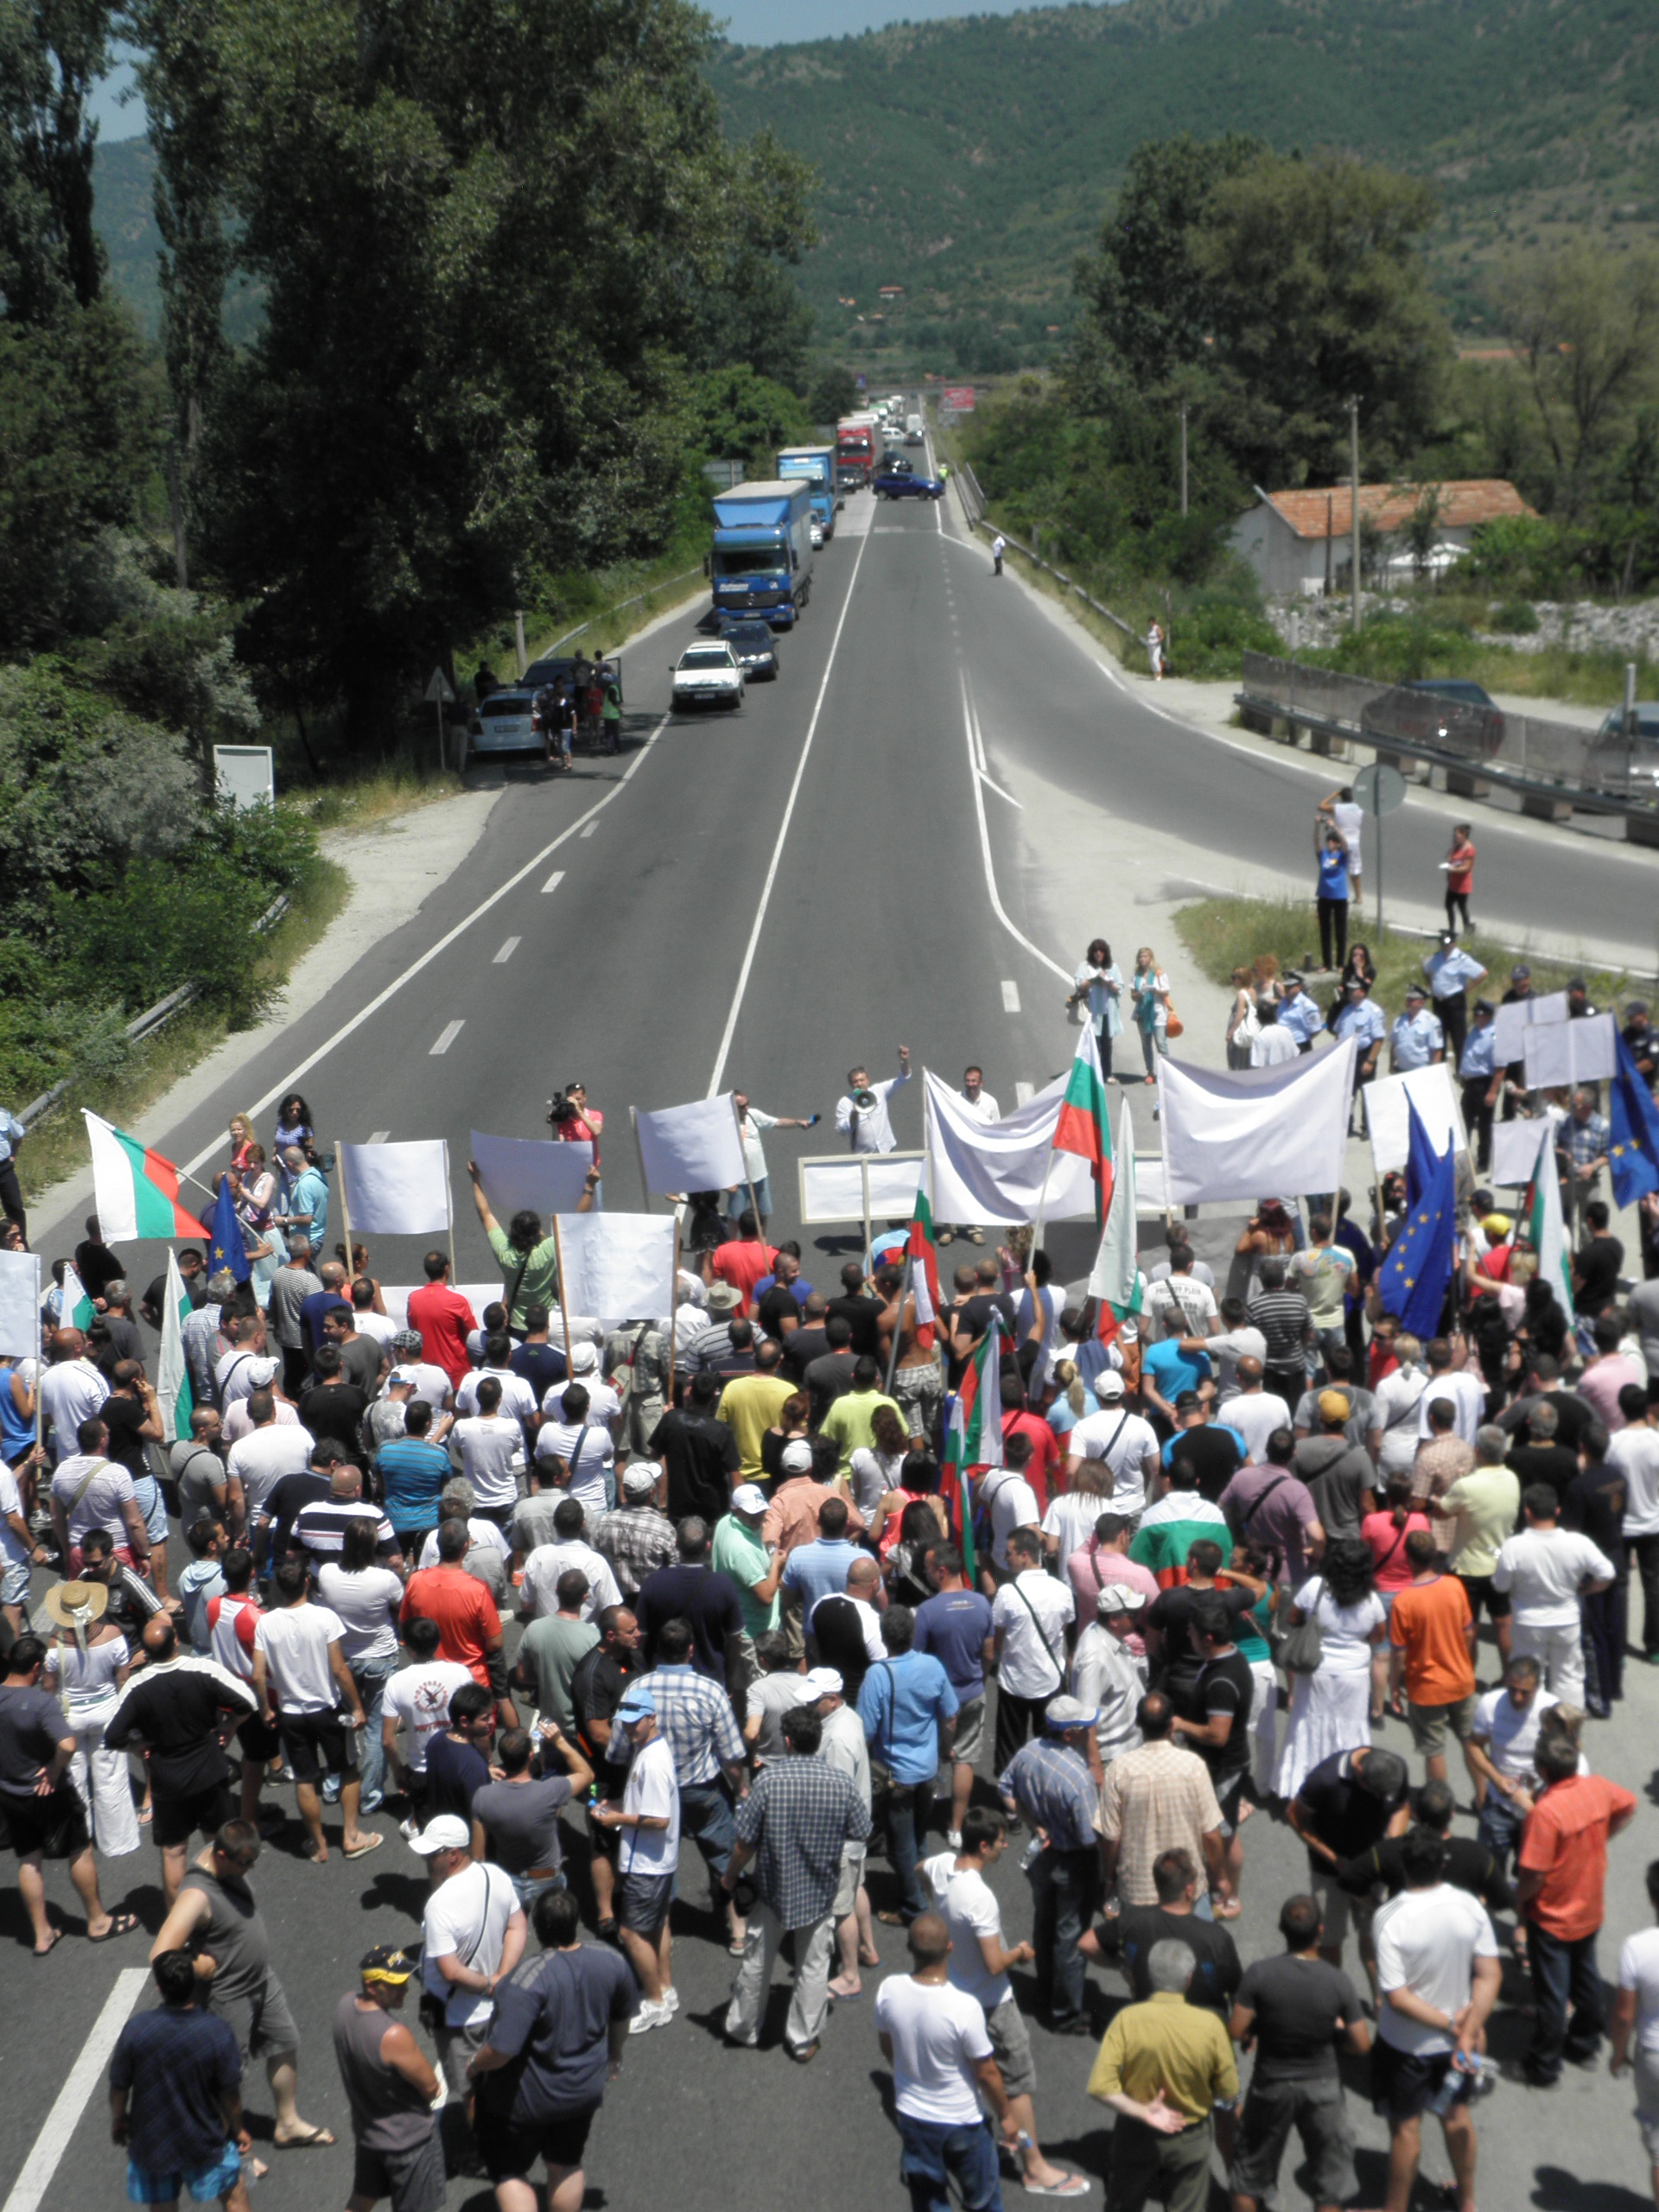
(152, 1505)
(14, 1582)
(204, 2182)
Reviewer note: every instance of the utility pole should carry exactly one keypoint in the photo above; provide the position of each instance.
(1353, 483)
(1183, 457)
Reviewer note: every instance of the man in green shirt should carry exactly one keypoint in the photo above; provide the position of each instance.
(554, 1647)
(848, 1421)
(755, 1565)
(529, 1261)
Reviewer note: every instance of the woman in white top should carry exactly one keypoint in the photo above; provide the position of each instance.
(89, 1683)
(1098, 987)
(1243, 1026)
(366, 1596)
(1331, 1708)
(1149, 989)
(1396, 1409)
(876, 1468)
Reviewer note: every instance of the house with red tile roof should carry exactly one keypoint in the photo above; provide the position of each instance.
(1298, 541)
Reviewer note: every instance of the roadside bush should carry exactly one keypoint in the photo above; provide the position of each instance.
(1212, 633)
(1517, 618)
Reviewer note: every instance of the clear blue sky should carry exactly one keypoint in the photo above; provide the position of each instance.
(752, 23)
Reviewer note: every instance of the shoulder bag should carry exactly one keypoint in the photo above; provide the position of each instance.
(1302, 1651)
(1042, 1633)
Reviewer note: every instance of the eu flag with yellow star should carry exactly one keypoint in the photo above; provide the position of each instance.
(1633, 1147)
(225, 1240)
(1414, 1278)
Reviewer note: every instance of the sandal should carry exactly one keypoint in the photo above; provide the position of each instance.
(372, 1841)
(57, 1938)
(320, 2139)
(121, 1923)
(1225, 1908)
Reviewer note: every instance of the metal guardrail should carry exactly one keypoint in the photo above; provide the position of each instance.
(639, 599)
(1556, 762)
(973, 504)
(152, 1018)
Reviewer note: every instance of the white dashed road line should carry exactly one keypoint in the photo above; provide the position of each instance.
(589, 828)
(447, 1037)
(379, 1136)
(1010, 997)
(553, 882)
(507, 950)
(86, 2076)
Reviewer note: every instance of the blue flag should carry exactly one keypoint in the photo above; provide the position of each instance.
(1414, 1278)
(227, 1247)
(1633, 1150)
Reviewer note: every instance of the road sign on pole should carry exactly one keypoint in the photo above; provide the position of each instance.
(1380, 790)
(438, 693)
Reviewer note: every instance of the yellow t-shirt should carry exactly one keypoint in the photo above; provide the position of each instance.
(1167, 2043)
(749, 1405)
(849, 1423)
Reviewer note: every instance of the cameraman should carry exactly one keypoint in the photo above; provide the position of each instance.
(576, 1122)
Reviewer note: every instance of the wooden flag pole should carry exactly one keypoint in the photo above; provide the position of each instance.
(345, 1206)
(673, 1310)
(633, 1117)
(449, 1209)
(564, 1296)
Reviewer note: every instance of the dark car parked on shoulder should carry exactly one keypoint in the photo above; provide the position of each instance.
(1447, 712)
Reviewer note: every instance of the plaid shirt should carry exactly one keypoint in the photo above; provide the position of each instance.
(1584, 1142)
(797, 1818)
(637, 1540)
(1051, 1785)
(693, 1716)
(1159, 1798)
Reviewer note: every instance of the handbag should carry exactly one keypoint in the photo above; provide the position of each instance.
(1302, 1651)
(1173, 1025)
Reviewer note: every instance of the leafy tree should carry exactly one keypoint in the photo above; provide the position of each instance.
(753, 312)
(833, 393)
(1586, 321)
(52, 54)
(742, 417)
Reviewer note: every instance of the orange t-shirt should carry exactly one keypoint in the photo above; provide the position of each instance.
(1565, 1841)
(465, 1613)
(1427, 1624)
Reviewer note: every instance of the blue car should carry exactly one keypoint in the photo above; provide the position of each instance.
(892, 485)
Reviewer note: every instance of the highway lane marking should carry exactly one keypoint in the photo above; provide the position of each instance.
(730, 1030)
(379, 1136)
(970, 728)
(447, 1037)
(382, 998)
(507, 950)
(1010, 997)
(553, 882)
(1000, 793)
(589, 828)
(29, 2190)
(1024, 1092)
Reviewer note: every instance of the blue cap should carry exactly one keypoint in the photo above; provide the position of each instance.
(635, 1705)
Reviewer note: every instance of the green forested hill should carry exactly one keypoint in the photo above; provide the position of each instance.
(968, 159)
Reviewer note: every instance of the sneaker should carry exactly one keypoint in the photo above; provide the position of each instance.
(409, 1830)
(672, 1998)
(953, 1837)
(648, 2017)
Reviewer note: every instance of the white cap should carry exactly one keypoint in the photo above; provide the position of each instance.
(1119, 1597)
(262, 1373)
(822, 1682)
(639, 1478)
(1108, 1383)
(583, 1359)
(448, 1832)
(797, 1457)
(748, 1498)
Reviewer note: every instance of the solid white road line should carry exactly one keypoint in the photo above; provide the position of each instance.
(1000, 793)
(1010, 998)
(363, 1013)
(730, 1030)
(970, 727)
(86, 2076)
(447, 1037)
(507, 951)
(553, 882)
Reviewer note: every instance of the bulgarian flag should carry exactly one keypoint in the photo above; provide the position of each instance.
(173, 1390)
(76, 1310)
(1545, 1231)
(1082, 1126)
(135, 1191)
(974, 1436)
(923, 1267)
(1116, 1281)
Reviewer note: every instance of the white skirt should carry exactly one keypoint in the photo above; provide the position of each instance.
(103, 1782)
(1264, 1726)
(1330, 1711)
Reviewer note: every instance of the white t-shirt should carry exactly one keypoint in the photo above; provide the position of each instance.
(1013, 1504)
(109, 1489)
(559, 1439)
(754, 1152)
(603, 1403)
(1396, 1410)
(1255, 1414)
(1427, 1941)
(652, 1790)
(1178, 1306)
(873, 1474)
(538, 1592)
(260, 1459)
(517, 1399)
(1349, 818)
(1033, 1651)
(1227, 1349)
(1466, 1393)
(381, 1326)
(1511, 1733)
(233, 1376)
(467, 1917)
(366, 1604)
(1635, 1453)
(1071, 1516)
(491, 1457)
(481, 1532)
(1125, 1446)
(418, 1699)
(938, 2032)
(1638, 1970)
(1272, 1046)
(13, 1549)
(969, 1909)
(295, 1643)
(1542, 1573)
(71, 1392)
(239, 1422)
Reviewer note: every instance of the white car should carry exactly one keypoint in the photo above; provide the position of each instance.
(815, 531)
(707, 674)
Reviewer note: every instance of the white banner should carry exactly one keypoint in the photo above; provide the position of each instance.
(396, 1190)
(20, 1305)
(1564, 1053)
(1254, 1133)
(1511, 1023)
(537, 1174)
(693, 1148)
(1514, 1151)
(619, 1267)
(993, 1172)
(833, 1186)
(1388, 1118)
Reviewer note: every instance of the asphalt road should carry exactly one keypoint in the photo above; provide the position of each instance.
(766, 898)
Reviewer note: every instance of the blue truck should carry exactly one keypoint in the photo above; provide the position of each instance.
(761, 563)
(815, 466)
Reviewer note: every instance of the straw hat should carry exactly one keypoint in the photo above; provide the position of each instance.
(77, 1604)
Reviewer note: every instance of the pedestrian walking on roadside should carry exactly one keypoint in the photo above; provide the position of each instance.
(999, 547)
(1330, 851)
(42, 1811)
(391, 2090)
(1155, 648)
(1149, 989)
(1458, 869)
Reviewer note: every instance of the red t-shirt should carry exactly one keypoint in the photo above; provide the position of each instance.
(1381, 1359)
(1462, 870)
(1565, 1841)
(464, 1610)
(743, 1263)
(1045, 1451)
(443, 1318)
(584, 1127)
(1388, 1545)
